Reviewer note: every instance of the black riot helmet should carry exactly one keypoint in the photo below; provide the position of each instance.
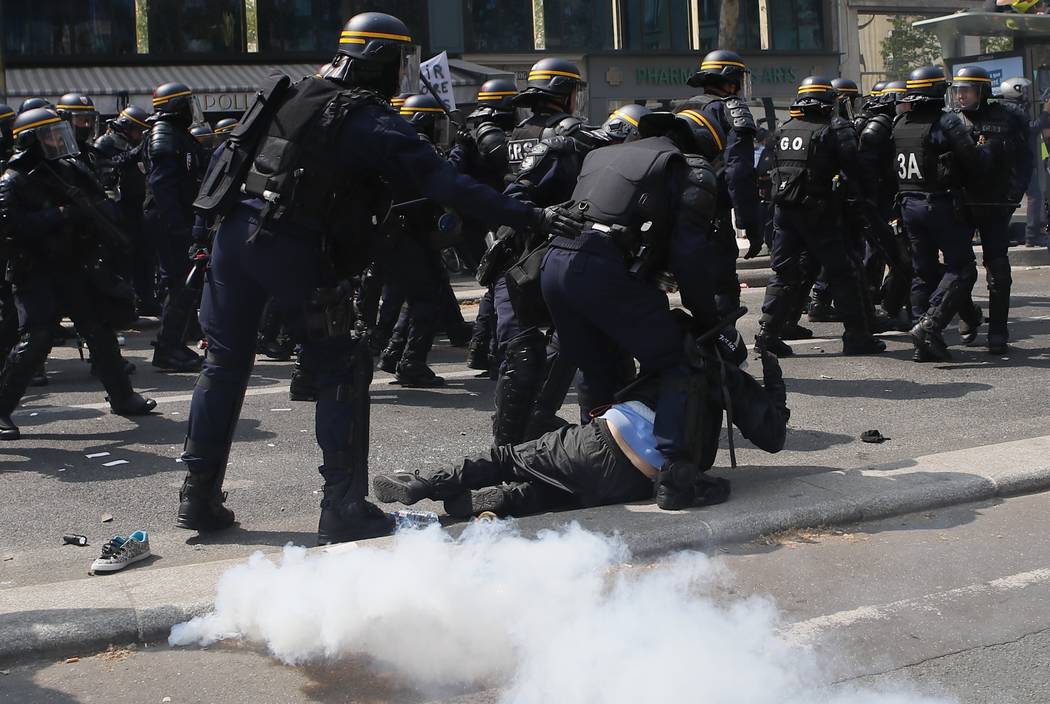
(970, 89)
(131, 122)
(691, 131)
(847, 93)
(33, 104)
(495, 103)
(553, 80)
(398, 100)
(203, 134)
(893, 92)
(622, 124)
(374, 49)
(79, 110)
(175, 102)
(815, 93)
(43, 132)
(874, 96)
(425, 114)
(223, 128)
(723, 66)
(926, 85)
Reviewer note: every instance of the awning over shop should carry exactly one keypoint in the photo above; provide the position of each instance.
(983, 24)
(221, 87)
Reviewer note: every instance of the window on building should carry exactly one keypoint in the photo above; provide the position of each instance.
(577, 24)
(498, 25)
(56, 28)
(748, 27)
(196, 27)
(655, 24)
(797, 24)
(300, 25)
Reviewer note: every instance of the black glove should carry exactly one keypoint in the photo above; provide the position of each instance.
(755, 240)
(199, 252)
(557, 221)
(465, 141)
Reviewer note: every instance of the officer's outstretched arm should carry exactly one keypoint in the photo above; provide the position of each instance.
(392, 146)
(760, 410)
(545, 177)
(963, 148)
(845, 143)
(740, 164)
(689, 235)
(164, 184)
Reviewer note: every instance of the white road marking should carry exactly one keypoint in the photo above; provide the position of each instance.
(114, 463)
(807, 631)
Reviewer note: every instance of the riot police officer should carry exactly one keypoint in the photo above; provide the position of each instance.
(79, 110)
(222, 130)
(811, 150)
(622, 123)
(174, 164)
(50, 214)
(647, 210)
(120, 172)
(726, 81)
(936, 160)
(1001, 134)
(33, 103)
(313, 188)
(8, 315)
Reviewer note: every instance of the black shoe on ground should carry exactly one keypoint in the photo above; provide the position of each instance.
(491, 499)
(201, 505)
(133, 405)
(8, 429)
(389, 359)
(405, 488)
(460, 335)
(969, 324)
(866, 344)
(929, 345)
(478, 358)
(796, 332)
(176, 359)
(997, 344)
(302, 387)
(275, 349)
(672, 498)
(343, 520)
(823, 313)
(417, 375)
(773, 345)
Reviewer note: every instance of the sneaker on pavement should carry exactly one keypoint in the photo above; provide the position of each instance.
(119, 552)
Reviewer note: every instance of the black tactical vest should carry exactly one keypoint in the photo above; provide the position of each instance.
(999, 130)
(526, 136)
(917, 167)
(626, 185)
(803, 170)
(296, 168)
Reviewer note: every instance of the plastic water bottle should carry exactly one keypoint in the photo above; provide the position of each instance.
(406, 519)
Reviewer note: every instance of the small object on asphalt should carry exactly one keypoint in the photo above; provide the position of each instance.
(119, 552)
(75, 539)
(5, 672)
(70, 661)
(406, 519)
(106, 517)
(487, 516)
(824, 376)
(114, 463)
(873, 436)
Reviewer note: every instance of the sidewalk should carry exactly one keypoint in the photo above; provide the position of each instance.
(143, 604)
(755, 273)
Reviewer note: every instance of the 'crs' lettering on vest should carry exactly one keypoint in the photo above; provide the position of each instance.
(518, 149)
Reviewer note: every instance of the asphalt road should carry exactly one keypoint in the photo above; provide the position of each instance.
(951, 602)
(56, 479)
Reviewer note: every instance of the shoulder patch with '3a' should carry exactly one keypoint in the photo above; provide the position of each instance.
(534, 157)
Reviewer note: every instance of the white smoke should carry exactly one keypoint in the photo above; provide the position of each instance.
(551, 619)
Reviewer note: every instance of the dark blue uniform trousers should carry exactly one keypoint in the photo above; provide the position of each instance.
(243, 275)
(933, 226)
(603, 313)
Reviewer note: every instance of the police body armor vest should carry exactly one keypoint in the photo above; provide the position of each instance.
(626, 186)
(998, 127)
(802, 172)
(917, 163)
(296, 169)
(527, 135)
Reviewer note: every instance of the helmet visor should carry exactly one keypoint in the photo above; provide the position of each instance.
(85, 126)
(845, 104)
(745, 86)
(963, 96)
(57, 141)
(409, 69)
(196, 113)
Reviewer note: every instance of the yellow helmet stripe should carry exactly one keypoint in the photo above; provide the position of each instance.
(409, 110)
(496, 94)
(38, 123)
(972, 78)
(720, 64)
(74, 107)
(819, 88)
(351, 40)
(703, 122)
(621, 114)
(545, 73)
(847, 90)
(134, 119)
(221, 130)
(794, 112)
(166, 98)
(876, 92)
(374, 35)
(5, 115)
(925, 82)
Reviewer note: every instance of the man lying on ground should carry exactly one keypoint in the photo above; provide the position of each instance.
(613, 459)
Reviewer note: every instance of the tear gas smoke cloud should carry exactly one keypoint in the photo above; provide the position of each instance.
(550, 619)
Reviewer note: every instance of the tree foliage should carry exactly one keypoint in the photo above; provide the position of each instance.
(906, 48)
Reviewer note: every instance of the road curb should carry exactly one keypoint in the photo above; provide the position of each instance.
(71, 618)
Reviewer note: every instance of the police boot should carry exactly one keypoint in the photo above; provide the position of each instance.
(794, 331)
(347, 516)
(460, 334)
(676, 485)
(170, 352)
(8, 429)
(821, 310)
(201, 503)
(969, 324)
(860, 342)
(767, 340)
(415, 374)
(999, 284)
(929, 342)
(478, 355)
(175, 358)
(392, 354)
(517, 388)
(39, 377)
(133, 404)
(409, 487)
